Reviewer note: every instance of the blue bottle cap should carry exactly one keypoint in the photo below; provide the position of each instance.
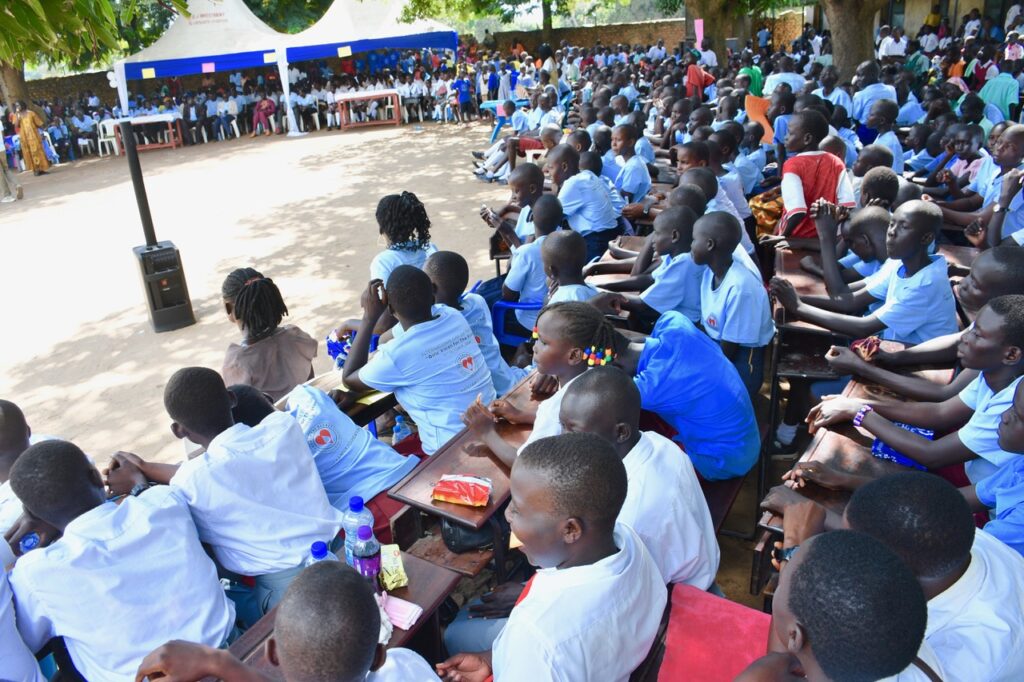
(28, 542)
(355, 504)
(319, 550)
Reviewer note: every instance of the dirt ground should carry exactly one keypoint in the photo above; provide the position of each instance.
(79, 354)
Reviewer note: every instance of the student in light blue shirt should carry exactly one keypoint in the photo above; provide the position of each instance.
(734, 305)
(585, 199)
(1003, 491)
(779, 113)
(526, 281)
(633, 180)
(871, 91)
(828, 79)
(882, 117)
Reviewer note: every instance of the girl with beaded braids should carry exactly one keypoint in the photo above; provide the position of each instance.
(682, 375)
(405, 226)
(272, 358)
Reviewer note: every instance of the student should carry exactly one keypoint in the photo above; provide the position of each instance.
(994, 347)
(664, 502)
(917, 304)
(449, 273)
(350, 461)
(584, 198)
(526, 183)
(326, 628)
(810, 175)
(592, 609)
(779, 114)
(403, 221)
(864, 238)
(15, 438)
(734, 305)
(270, 357)
(119, 573)
(846, 608)
(592, 161)
(882, 118)
(870, 92)
(564, 254)
(633, 180)
(673, 285)
(254, 493)
(433, 365)
(16, 661)
(526, 281)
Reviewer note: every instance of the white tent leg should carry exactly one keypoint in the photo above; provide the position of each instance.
(282, 70)
(122, 87)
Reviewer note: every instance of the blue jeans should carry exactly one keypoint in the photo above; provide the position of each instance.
(468, 635)
(252, 603)
(597, 242)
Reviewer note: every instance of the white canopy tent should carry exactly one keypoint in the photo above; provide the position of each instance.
(224, 35)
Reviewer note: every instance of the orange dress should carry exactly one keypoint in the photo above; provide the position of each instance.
(28, 124)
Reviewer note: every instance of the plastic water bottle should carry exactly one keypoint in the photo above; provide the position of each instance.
(338, 348)
(356, 516)
(28, 542)
(318, 551)
(401, 430)
(366, 556)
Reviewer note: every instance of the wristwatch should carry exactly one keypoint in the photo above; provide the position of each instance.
(138, 489)
(784, 554)
(861, 413)
(998, 208)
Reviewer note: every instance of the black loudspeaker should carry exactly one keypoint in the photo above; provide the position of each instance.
(164, 282)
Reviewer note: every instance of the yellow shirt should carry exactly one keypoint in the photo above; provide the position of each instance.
(932, 20)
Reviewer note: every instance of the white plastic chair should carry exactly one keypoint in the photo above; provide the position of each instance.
(108, 138)
(86, 144)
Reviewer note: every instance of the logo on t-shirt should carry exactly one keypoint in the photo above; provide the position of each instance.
(466, 361)
(322, 436)
(712, 322)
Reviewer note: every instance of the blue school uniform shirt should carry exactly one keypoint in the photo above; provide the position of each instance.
(838, 97)
(478, 315)
(644, 149)
(890, 140)
(863, 99)
(758, 157)
(526, 276)
(863, 268)
(980, 434)
(780, 126)
(609, 166)
(911, 112)
(461, 86)
(349, 460)
(676, 286)
(851, 140)
(629, 92)
(989, 183)
(633, 178)
(737, 310)
(685, 379)
(519, 121)
(1003, 492)
(914, 309)
(586, 204)
(592, 128)
(748, 171)
(917, 161)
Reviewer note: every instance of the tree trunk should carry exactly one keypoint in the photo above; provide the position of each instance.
(545, 27)
(719, 24)
(852, 38)
(12, 84)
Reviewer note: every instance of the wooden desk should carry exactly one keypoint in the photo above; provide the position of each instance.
(175, 137)
(416, 489)
(959, 255)
(428, 586)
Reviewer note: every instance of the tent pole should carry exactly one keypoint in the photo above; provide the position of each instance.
(282, 69)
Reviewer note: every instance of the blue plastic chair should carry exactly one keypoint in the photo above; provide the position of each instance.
(499, 124)
(498, 320)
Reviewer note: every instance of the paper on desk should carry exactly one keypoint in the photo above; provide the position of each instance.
(402, 614)
(371, 398)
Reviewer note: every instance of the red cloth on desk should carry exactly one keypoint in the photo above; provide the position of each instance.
(709, 638)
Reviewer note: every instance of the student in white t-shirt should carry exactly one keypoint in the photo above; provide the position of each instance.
(913, 286)
(433, 365)
(734, 304)
(119, 573)
(994, 345)
(564, 254)
(526, 281)
(16, 661)
(255, 493)
(404, 223)
(593, 608)
(328, 627)
(664, 502)
(449, 273)
(350, 461)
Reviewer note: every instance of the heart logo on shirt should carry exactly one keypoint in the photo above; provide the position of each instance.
(712, 322)
(324, 437)
(467, 363)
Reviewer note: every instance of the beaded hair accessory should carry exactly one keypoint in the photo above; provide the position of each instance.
(535, 334)
(598, 357)
(251, 280)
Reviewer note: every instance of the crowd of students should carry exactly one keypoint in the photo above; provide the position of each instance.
(647, 386)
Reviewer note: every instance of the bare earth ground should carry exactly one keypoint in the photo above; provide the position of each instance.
(79, 354)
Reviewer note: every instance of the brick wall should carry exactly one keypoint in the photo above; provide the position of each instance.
(71, 86)
(669, 30)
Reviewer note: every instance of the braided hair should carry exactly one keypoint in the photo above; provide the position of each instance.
(257, 302)
(403, 220)
(586, 327)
